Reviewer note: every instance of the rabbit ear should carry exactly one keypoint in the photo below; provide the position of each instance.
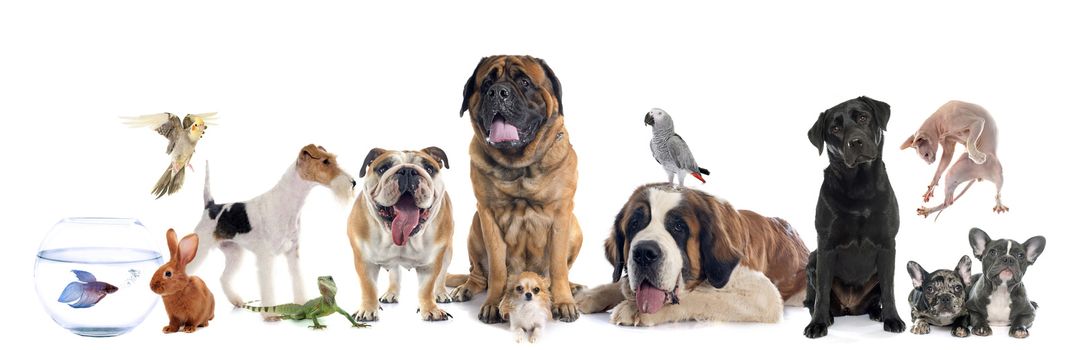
(188, 247)
(172, 243)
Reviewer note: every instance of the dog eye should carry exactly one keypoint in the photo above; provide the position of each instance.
(1020, 255)
(634, 222)
(168, 274)
(519, 289)
(525, 83)
(430, 169)
(862, 119)
(993, 252)
(930, 289)
(535, 290)
(382, 169)
(958, 288)
(836, 129)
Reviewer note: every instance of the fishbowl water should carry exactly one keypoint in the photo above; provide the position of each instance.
(92, 275)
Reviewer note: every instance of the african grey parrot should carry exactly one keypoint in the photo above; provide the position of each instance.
(182, 135)
(670, 150)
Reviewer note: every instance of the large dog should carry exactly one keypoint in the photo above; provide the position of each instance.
(690, 256)
(856, 217)
(403, 218)
(523, 171)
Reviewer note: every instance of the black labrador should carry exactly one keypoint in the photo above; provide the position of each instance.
(852, 270)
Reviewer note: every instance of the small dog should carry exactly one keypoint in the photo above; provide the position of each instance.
(998, 294)
(939, 298)
(268, 225)
(527, 305)
(970, 125)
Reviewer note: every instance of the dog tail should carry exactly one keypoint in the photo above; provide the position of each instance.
(206, 197)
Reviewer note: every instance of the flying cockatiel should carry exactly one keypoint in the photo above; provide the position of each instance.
(670, 150)
(182, 135)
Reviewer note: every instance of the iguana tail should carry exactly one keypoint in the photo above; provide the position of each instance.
(283, 309)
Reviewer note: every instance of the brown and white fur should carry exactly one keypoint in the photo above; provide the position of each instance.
(970, 125)
(711, 261)
(527, 305)
(395, 182)
(268, 225)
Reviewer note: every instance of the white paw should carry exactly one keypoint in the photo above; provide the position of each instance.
(390, 297)
(626, 314)
(366, 314)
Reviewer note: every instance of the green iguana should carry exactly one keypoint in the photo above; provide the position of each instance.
(312, 310)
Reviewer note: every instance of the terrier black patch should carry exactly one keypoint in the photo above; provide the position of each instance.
(213, 209)
(232, 221)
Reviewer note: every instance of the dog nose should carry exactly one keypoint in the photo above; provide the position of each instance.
(646, 253)
(528, 296)
(856, 143)
(946, 300)
(500, 90)
(1008, 260)
(408, 179)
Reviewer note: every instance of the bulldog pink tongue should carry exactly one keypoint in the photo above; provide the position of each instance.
(501, 132)
(650, 299)
(405, 219)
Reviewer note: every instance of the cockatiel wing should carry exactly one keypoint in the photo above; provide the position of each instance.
(682, 156)
(208, 118)
(167, 124)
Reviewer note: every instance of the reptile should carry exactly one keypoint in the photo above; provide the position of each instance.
(313, 309)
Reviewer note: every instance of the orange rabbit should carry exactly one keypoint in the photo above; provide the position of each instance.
(187, 299)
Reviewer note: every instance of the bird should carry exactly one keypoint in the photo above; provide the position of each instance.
(183, 135)
(670, 150)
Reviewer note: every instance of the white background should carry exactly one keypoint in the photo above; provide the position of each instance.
(743, 83)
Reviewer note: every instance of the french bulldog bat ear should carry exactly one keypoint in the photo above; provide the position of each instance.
(555, 83)
(880, 110)
(615, 246)
(469, 87)
(817, 133)
(1034, 247)
(964, 270)
(370, 156)
(438, 154)
(978, 239)
(917, 274)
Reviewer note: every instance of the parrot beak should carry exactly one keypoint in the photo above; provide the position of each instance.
(648, 119)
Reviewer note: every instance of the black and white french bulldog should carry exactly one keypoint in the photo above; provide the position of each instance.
(938, 298)
(998, 294)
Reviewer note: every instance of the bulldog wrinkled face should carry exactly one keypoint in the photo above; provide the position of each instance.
(404, 188)
(1005, 260)
(656, 259)
(511, 98)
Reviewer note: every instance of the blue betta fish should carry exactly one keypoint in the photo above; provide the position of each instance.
(88, 292)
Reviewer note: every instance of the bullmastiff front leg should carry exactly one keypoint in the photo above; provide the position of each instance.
(564, 306)
(476, 254)
(496, 279)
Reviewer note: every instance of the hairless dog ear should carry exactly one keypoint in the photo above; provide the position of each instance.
(909, 142)
(978, 239)
(817, 133)
(880, 110)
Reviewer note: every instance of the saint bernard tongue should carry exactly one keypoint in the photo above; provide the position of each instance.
(650, 299)
(405, 219)
(500, 131)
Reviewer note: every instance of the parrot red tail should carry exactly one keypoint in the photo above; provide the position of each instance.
(699, 176)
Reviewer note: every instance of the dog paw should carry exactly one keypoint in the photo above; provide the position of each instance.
(443, 298)
(894, 325)
(627, 314)
(960, 332)
(874, 314)
(461, 294)
(390, 297)
(490, 314)
(435, 314)
(566, 312)
(815, 330)
(1019, 332)
(576, 288)
(588, 303)
(920, 327)
(366, 315)
(982, 331)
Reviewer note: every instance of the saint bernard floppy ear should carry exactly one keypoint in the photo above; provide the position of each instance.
(615, 246)
(719, 257)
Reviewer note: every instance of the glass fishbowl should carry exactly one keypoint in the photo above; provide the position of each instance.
(93, 275)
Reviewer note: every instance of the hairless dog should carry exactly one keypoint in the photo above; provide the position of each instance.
(967, 124)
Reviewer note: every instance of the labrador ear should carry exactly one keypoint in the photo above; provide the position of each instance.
(817, 133)
(556, 83)
(718, 259)
(917, 274)
(439, 155)
(964, 270)
(880, 110)
(1033, 247)
(978, 239)
(469, 87)
(615, 246)
(370, 156)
